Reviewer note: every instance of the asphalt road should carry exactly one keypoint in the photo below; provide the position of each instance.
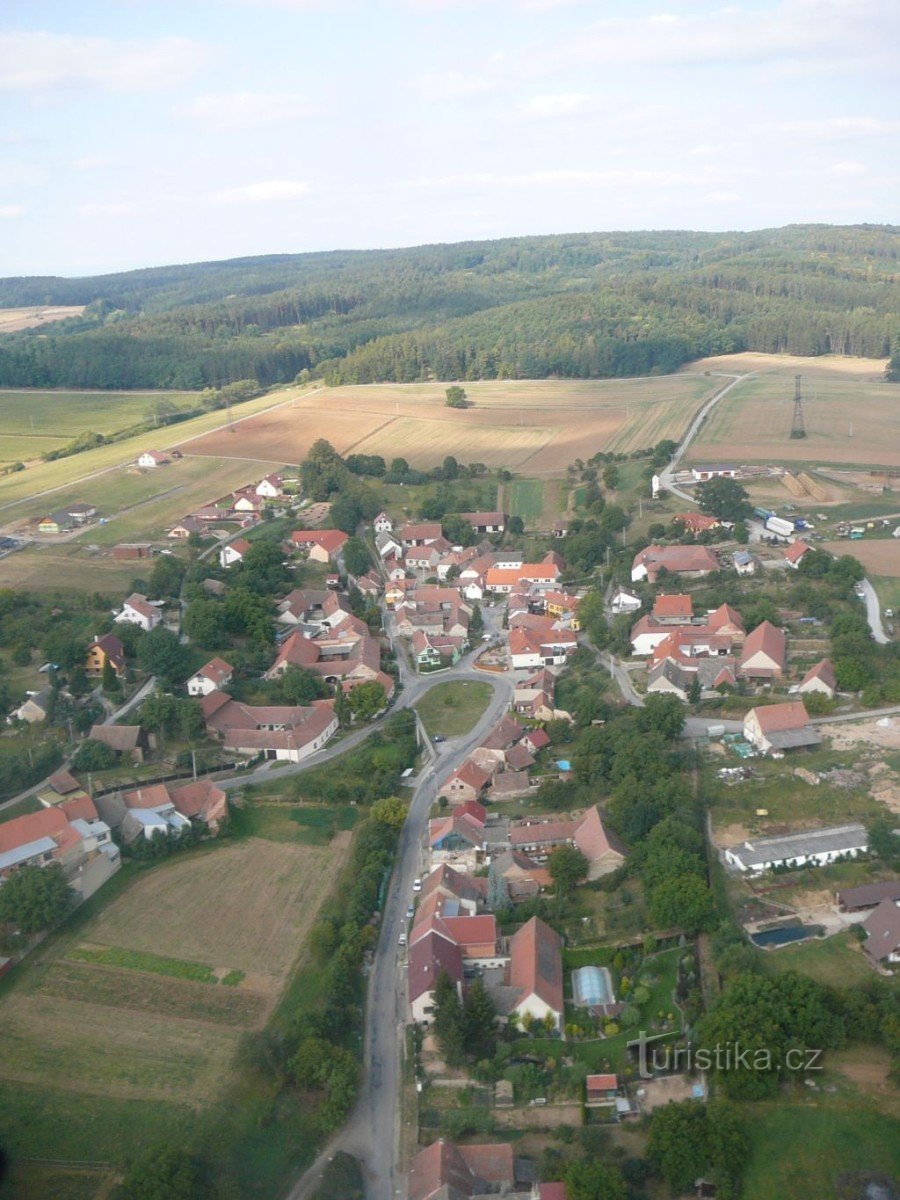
(873, 613)
(667, 473)
(372, 1133)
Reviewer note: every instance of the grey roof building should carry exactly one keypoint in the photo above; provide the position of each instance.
(814, 847)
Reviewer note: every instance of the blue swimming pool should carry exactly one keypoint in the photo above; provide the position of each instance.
(564, 764)
(785, 935)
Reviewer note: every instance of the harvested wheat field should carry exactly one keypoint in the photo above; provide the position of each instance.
(851, 413)
(13, 320)
(93, 1048)
(538, 425)
(879, 556)
(246, 907)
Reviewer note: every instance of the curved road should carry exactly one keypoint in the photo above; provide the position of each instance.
(372, 1132)
(667, 473)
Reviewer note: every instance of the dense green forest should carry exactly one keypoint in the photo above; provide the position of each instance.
(578, 305)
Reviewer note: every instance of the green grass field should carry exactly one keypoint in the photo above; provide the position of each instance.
(836, 961)
(134, 960)
(525, 499)
(449, 709)
(305, 825)
(799, 1151)
(43, 477)
(32, 422)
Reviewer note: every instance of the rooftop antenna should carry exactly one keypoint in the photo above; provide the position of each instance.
(798, 429)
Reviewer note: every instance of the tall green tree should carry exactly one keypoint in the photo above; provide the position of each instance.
(36, 898)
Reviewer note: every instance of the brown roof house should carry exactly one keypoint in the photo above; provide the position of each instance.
(217, 673)
(466, 783)
(128, 741)
(764, 653)
(882, 926)
(780, 727)
(283, 732)
(445, 1171)
(690, 561)
(103, 650)
(820, 678)
(535, 971)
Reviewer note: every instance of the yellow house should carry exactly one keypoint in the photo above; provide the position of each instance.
(102, 650)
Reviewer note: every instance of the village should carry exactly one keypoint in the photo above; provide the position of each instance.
(533, 915)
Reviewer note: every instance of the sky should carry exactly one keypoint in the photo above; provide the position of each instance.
(144, 132)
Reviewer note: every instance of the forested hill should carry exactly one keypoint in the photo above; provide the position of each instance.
(577, 305)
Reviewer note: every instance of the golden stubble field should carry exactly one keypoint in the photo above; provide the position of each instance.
(851, 414)
(540, 426)
(126, 1033)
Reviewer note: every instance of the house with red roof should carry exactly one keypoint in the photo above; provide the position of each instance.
(39, 839)
(819, 678)
(692, 562)
(445, 1171)
(217, 673)
(535, 973)
(764, 653)
(786, 726)
(422, 534)
(320, 545)
(795, 553)
(485, 522)
(284, 732)
(696, 522)
(431, 956)
(137, 610)
(233, 552)
(672, 609)
(466, 783)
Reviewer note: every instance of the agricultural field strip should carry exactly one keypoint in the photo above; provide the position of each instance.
(48, 479)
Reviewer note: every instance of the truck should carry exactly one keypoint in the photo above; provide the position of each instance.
(780, 525)
(763, 513)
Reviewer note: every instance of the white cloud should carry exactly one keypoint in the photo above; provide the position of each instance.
(39, 62)
(557, 177)
(267, 191)
(721, 197)
(108, 209)
(245, 110)
(848, 167)
(704, 150)
(819, 31)
(840, 128)
(8, 211)
(451, 85)
(563, 104)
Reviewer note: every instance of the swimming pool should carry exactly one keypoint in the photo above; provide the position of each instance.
(592, 986)
(785, 935)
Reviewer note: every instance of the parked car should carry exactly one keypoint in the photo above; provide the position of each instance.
(402, 939)
(409, 912)
(438, 738)
(417, 884)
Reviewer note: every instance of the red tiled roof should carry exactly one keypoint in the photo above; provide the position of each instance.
(593, 839)
(429, 957)
(217, 671)
(64, 782)
(676, 558)
(140, 605)
(776, 718)
(473, 810)
(48, 822)
(538, 738)
(535, 963)
(673, 606)
(795, 551)
(766, 639)
(822, 670)
(329, 539)
(79, 808)
(602, 1083)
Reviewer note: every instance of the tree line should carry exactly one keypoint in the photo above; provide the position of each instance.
(574, 306)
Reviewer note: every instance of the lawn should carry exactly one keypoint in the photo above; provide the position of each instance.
(799, 1151)
(449, 709)
(72, 567)
(836, 961)
(104, 1052)
(851, 417)
(64, 472)
(32, 422)
(297, 824)
(525, 499)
